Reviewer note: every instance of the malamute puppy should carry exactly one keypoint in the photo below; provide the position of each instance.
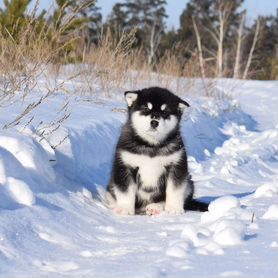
(150, 172)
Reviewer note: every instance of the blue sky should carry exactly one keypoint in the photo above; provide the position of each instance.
(175, 7)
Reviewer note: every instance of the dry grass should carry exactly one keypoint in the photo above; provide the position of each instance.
(36, 53)
(117, 65)
(26, 58)
(112, 64)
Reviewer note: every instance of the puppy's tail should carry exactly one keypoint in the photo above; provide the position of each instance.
(196, 205)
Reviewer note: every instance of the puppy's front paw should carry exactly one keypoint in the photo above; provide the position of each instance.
(174, 210)
(123, 211)
(154, 208)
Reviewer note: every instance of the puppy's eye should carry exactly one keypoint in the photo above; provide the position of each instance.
(145, 109)
(166, 114)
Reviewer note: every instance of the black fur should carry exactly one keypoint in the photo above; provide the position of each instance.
(122, 174)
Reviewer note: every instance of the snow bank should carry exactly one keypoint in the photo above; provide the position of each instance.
(271, 213)
(266, 190)
(53, 223)
(218, 229)
(20, 191)
(25, 169)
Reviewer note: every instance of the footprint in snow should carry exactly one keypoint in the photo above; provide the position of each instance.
(56, 238)
(57, 266)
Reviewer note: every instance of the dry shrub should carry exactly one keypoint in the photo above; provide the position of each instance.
(27, 57)
(112, 65)
(116, 64)
(110, 61)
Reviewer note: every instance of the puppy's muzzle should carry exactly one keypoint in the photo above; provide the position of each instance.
(154, 124)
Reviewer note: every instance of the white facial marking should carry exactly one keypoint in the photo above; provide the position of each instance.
(143, 128)
(150, 168)
(130, 98)
(150, 106)
(163, 107)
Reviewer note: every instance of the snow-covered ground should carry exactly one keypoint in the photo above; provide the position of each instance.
(53, 222)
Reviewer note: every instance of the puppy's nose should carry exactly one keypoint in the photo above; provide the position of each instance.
(154, 124)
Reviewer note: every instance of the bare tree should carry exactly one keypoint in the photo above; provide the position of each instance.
(154, 42)
(239, 42)
(223, 11)
(220, 43)
(199, 45)
(250, 56)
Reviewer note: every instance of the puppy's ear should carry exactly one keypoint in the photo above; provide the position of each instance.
(183, 104)
(130, 97)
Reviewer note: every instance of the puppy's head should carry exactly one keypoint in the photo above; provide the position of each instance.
(154, 113)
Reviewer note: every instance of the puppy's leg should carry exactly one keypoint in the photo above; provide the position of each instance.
(125, 200)
(175, 195)
(179, 187)
(122, 189)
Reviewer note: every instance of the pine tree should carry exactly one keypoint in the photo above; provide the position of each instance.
(12, 17)
(93, 27)
(148, 16)
(117, 20)
(67, 23)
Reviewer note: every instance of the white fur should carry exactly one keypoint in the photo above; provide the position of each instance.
(175, 197)
(150, 168)
(150, 106)
(143, 195)
(182, 106)
(130, 98)
(110, 200)
(125, 201)
(143, 127)
(163, 107)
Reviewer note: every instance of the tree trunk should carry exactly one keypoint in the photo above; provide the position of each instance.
(238, 50)
(199, 45)
(220, 45)
(250, 56)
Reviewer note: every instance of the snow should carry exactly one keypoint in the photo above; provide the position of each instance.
(20, 191)
(54, 223)
(266, 190)
(222, 205)
(229, 235)
(271, 213)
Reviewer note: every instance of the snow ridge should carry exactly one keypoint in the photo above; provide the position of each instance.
(53, 222)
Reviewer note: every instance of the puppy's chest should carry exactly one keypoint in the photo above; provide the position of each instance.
(150, 169)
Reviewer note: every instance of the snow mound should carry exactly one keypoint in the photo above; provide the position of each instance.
(20, 191)
(53, 223)
(221, 205)
(219, 228)
(177, 251)
(25, 169)
(213, 238)
(29, 153)
(227, 206)
(266, 190)
(271, 213)
(229, 232)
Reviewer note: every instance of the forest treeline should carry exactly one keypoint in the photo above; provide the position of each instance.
(212, 40)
